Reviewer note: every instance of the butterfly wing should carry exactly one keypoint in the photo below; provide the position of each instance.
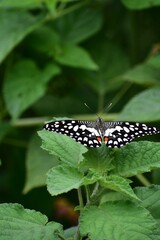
(83, 132)
(122, 133)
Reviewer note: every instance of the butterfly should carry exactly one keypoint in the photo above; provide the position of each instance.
(92, 134)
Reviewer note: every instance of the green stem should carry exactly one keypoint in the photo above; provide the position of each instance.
(29, 122)
(66, 11)
(80, 198)
(143, 180)
(95, 190)
(100, 103)
(87, 194)
(81, 204)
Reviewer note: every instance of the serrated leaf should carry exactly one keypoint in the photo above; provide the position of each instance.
(143, 107)
(111, 218)
(79, 25)
(75, 56)
(65, 148)
(15, 25)
(98, 160)
(69, 233)
(135, 158)
(118, 184)
(150, 197)
(19, 223)
(62, 179)
(136, 4)
(38, 162)
(143, 74)
(24, 84)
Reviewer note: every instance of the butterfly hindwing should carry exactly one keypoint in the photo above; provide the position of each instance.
(91, 134)
(124, 132)
(82, 131)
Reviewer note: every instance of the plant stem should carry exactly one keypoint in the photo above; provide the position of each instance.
(100, 103)
(81, 204)
(143, 180)
(87, 194)
(64, 11)
(95, 190)
(80, 198)
(29, 122)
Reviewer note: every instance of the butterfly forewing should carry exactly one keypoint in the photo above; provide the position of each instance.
(81, 131)
(124, 132)
(91, 134)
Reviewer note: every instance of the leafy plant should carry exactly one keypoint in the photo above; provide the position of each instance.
(55, 55)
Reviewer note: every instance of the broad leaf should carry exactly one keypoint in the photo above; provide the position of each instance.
(14, 26)
(112, 62)
(24, 84)
(143, 74)
(19, 223)
(117, 220)
(45, 40)
(65, 148)
(136, 4)
(61, 179)
(75, 56)
(150, 197)
(118, 184)
(78, 25)
(38, 162)
(143, 107)
(98, 160)
(137, 157)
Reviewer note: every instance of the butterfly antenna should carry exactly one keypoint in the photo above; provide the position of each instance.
(107, 107)
(91, 109)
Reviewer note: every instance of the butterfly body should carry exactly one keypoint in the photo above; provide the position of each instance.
(92, 134)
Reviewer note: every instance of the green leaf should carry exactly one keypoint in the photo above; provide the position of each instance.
(75, 56)
(45, 40)
(112, 62)
(79, 25)
(61, 179)
(24, 84)
(136, 4)
(38, 162)
(98, 160)
(20, 3)
(118, 184)
(143, 107)
(68, 150)
(150, 197)
(135, 158)
(19, 223)
(143, 74)
(15, 25)
(117, 220)
(69, 233)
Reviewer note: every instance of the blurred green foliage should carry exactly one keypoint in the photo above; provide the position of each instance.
(57, 54)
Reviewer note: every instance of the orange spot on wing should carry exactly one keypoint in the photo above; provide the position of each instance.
(99, 139)
(105, 139)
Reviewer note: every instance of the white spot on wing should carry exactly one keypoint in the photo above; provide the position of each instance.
(126, 129)
(75, 128)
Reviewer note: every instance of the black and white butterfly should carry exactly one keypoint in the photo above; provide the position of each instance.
(91, 134)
